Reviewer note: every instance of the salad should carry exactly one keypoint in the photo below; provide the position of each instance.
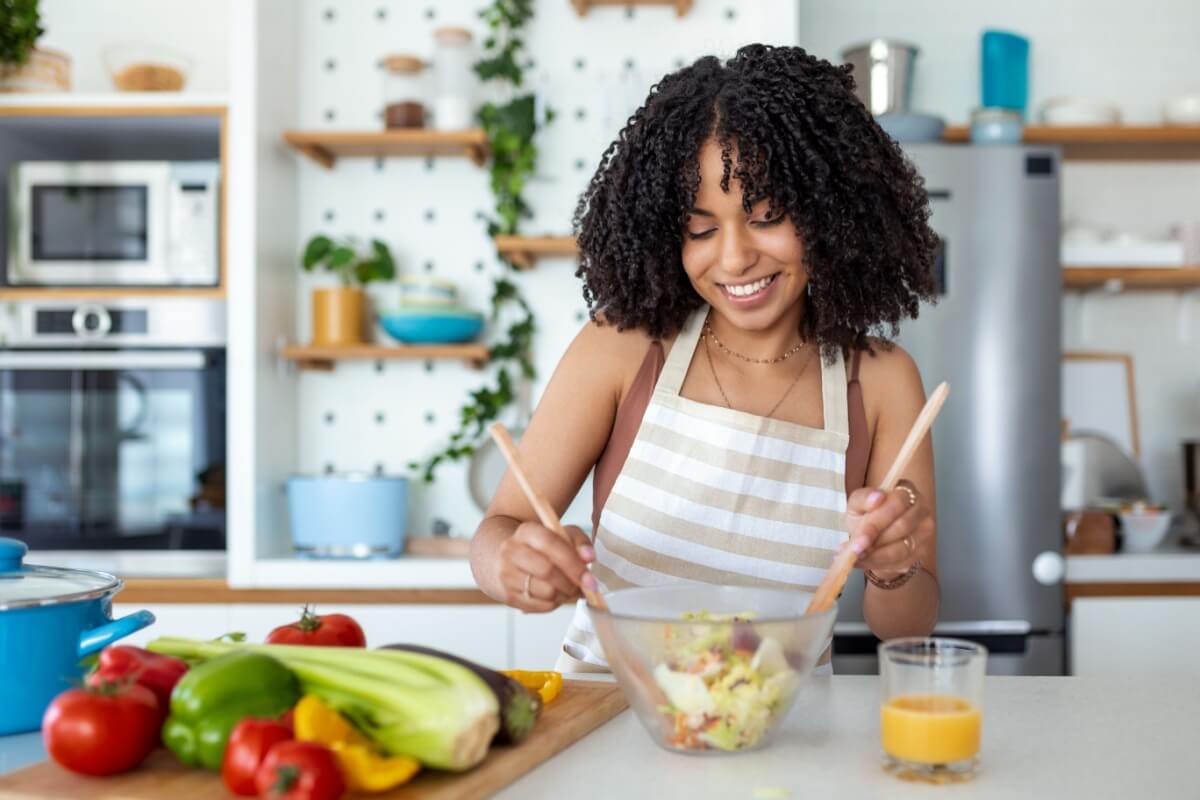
(724, 686)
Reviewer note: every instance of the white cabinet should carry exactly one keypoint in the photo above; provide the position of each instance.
(537, 638)
(199, 621)
(480, 633)
(1138, 637)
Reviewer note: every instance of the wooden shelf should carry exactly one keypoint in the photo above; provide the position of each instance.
(108, 293)
(682, 7)
(524, 251)
(1132, 277)
(324, 358)
(325, 147)
(1104, 142)
(111, 104)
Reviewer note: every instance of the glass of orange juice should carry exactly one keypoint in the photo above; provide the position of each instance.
(932, 707)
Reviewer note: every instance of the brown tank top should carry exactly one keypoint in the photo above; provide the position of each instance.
(633, 408)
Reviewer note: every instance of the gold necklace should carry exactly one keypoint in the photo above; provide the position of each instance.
(708, 333)
(725, 397)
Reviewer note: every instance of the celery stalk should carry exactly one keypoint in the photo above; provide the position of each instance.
(424, 707)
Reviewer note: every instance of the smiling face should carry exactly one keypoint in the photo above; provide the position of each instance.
(748, 267)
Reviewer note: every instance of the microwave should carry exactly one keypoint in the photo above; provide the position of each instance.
(113, 223)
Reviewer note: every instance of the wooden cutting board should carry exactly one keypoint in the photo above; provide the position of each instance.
(582, 707)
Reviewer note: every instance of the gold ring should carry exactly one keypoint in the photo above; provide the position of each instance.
(908, 542)
(528, 580)
(912, 496)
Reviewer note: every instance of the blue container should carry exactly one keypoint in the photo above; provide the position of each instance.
(1004, 70)
(50, 619)
(348, 516)
(431, 325)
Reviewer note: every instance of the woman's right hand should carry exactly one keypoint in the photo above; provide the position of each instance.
(538, 571)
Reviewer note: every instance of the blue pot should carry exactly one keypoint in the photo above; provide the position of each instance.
(348, 516)
(50, 619)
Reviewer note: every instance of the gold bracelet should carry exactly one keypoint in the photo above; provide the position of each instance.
(892, 583)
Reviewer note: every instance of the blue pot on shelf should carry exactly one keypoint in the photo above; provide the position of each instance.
(50, 619)
(348, 516)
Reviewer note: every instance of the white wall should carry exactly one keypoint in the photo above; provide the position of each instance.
(1135, 55)
(197, 29)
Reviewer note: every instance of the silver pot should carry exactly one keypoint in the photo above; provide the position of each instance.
(883, 71)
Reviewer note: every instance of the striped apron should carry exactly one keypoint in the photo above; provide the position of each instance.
(717, 496)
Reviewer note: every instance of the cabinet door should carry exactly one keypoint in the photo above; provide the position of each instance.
(479, 633)
(537, 638)
(1140, 637)
(195, 621)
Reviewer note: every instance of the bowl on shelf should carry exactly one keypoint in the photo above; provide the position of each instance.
(146, 68)
(1143, 528)
(416, 290)
(707, 669)
(1079, 111)
(431, 324)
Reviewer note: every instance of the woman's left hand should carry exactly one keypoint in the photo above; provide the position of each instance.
(889, 529)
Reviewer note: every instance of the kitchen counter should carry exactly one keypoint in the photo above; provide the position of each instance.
(1043, 737)
(1165, 565)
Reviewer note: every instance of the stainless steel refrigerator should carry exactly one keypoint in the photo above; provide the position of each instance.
(995, 336)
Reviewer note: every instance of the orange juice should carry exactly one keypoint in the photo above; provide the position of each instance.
(930, 728)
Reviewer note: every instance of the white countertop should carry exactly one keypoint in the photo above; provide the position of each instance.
(1166, 565)
(1042, 737)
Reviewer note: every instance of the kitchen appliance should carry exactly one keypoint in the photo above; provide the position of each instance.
(657, 639)
(50, 618)
(1096, 472)
(113, 223)
(112, 422)
(348, 516)
(883, 73)
(994, 336)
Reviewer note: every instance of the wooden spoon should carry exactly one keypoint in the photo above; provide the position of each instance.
(542, 508)
(835, 578)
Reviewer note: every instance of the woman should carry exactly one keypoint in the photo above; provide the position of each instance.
(749, 228)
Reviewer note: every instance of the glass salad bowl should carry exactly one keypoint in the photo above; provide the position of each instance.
(711, 669)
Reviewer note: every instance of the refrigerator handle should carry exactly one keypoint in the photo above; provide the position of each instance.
(1049, 568)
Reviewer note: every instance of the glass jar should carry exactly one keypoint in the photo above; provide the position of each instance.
(454, 96)
(404, 92)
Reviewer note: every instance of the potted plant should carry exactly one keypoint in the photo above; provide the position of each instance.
(24, 67)
(339, 314)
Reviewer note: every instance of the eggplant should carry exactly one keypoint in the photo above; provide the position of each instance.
(519, 707)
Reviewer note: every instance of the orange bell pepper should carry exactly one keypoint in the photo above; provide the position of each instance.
(546, 684)
(364, 769)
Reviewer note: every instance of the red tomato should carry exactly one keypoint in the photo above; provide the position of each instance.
(102, 730)
(332, 630)
(300, 771)
(248, 745)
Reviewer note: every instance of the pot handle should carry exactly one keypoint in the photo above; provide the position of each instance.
(98, 638)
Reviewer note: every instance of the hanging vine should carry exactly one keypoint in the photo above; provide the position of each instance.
(510, 127)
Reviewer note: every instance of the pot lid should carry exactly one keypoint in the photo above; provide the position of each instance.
(22, 585)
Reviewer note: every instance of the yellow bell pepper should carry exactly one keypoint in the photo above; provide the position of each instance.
(546, 684)
(364, 769)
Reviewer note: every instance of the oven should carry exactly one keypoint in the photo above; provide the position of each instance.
(112, 425)
(113, 223)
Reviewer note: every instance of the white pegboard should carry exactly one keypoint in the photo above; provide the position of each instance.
(593, 71)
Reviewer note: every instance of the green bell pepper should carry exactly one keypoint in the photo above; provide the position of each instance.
(213, 697)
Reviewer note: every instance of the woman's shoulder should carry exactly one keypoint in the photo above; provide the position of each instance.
(889, 377)
(609, 354)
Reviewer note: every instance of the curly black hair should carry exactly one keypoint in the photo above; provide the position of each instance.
(803, 142)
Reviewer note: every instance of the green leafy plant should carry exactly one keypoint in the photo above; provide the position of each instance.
(510, 129)
(20, 28)
(344, 260)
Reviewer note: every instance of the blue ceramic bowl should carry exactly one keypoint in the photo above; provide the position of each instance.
(50, 619)
(430, 325)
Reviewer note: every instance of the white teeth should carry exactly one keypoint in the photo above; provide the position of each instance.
(747, 289)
